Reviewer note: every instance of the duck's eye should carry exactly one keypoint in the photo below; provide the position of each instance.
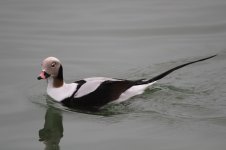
(53, 65)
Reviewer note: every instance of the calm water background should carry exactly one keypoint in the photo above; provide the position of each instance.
(124, 39)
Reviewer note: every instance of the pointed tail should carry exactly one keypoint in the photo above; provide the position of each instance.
(162, 75)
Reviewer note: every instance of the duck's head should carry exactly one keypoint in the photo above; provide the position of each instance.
(51, 67)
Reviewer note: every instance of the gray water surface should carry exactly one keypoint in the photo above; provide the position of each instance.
(128, 39)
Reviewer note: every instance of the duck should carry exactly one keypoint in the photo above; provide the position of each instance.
(95, 91)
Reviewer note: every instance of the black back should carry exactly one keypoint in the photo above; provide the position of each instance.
(107, 91)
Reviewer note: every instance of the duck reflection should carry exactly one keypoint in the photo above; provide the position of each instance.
(52, 132)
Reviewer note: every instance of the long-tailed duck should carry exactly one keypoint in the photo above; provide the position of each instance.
(95, 91)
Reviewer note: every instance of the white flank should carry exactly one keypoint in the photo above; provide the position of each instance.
(133, 91)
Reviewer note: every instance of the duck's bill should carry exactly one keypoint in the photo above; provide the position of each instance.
(43, 75)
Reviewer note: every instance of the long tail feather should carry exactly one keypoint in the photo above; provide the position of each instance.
(162, 75)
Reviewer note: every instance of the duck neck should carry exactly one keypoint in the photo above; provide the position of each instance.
(57, 81)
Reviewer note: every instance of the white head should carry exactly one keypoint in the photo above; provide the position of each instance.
(51, 67)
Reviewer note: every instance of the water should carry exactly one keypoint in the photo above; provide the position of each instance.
(124, 39)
